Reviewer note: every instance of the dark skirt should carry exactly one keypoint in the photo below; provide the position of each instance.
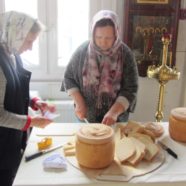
(11, 141)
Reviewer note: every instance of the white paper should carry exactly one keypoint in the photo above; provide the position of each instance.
(50, 115)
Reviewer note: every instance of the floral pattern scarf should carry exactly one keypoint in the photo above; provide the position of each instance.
(102, 72)
(14, 28)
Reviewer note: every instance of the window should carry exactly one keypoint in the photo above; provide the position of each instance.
(72, 27)
(51, 53)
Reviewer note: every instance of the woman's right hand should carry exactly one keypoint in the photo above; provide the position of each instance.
(80, 106)
(40, 122)
(81, 111)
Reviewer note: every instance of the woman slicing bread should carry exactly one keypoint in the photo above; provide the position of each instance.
(17, 34)
(101, 76)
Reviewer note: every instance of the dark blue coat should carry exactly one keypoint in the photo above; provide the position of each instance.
(16, 101)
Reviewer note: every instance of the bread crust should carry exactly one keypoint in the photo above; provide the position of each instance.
(177, 129)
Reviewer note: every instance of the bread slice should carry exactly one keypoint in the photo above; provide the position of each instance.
(151, 148)
(69, 148)
(149, 133)
(132, 127)
(125, 149)
(140, 152)
(70, 152)
(156, 128)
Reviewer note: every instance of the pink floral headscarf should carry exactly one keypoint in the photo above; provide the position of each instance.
(14, 27)
(102, 72)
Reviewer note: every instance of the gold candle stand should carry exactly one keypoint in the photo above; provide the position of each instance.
(162, 74)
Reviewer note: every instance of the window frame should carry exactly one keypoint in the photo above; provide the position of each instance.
(48, 69)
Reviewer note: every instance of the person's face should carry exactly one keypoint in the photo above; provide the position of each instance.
(104, 37)
(29, 40)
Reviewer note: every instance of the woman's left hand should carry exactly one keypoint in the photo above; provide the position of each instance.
(110, 118)
(43, 106)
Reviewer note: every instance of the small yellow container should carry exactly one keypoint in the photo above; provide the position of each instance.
(95, 146)
(177, 124)
(44, 143)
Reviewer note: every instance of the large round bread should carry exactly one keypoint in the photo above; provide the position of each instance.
(177, 124)
(95, 146)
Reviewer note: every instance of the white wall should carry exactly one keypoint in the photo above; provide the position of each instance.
(149, 91)
(175, 90)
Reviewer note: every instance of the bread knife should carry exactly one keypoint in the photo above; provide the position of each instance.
(86, 121)
(170, 151)
(40, 153)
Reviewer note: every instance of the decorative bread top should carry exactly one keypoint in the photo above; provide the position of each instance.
(95, 133)
(179, 113)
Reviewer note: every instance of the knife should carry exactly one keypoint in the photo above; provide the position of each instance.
(40, 153)
(170, 151)
(86, 121)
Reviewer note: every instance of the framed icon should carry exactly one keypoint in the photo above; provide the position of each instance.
(145, 22)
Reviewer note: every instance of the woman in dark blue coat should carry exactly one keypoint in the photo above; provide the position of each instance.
(17, 34)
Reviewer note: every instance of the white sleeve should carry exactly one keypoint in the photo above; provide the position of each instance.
(123, 101)
(8, 119)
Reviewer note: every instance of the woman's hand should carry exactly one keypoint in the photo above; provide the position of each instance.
(80, 106)
(81, 111)
(43, 106)
(40, 122)
(110, 118)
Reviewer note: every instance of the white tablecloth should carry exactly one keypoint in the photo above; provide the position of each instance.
(172, 172)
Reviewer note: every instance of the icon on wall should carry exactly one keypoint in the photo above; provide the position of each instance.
(146, 21)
